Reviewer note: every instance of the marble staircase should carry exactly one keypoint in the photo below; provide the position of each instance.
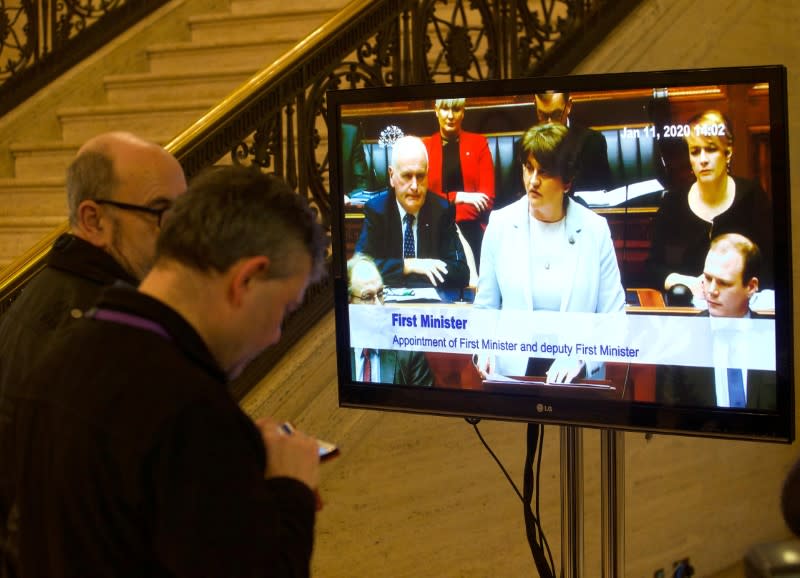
(167, 72)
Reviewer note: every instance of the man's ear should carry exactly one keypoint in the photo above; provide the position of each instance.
(752, 286)
(242, 275)
(92, 224)
(567, 110)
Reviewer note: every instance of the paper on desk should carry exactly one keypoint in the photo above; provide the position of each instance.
(621, 194)
(497, 378)
(399, 294)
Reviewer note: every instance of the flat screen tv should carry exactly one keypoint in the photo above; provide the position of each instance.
(608, 250)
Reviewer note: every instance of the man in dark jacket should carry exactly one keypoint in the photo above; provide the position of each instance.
(593, 172)
(118, 188)
(145, 465)
(365, 287)
(410, 234)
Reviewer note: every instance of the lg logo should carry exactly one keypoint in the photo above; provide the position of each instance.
(542, 408)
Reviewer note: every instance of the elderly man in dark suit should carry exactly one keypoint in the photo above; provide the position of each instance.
(412, 235)
(730, 279)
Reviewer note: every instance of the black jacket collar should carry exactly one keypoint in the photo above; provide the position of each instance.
(125, 299)
(79, 257)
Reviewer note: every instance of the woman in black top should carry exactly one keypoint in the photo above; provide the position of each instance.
(715, 203)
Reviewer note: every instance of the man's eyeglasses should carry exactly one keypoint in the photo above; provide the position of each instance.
(369, 297)
(556, 116)
(157, 213)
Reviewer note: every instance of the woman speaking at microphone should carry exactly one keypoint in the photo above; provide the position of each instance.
(548, 252)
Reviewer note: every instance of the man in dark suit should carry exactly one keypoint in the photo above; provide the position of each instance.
(119, 187)
(412, 235)
(593, 172)
(730, 279)
(380, 365)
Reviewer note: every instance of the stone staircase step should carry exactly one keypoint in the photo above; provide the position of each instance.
(149, 87)
(260, 6)
(153, 121)
(256, 27)
(22, 198)
(212, 56)
(18, 234)
(47, 159)
(182, 81)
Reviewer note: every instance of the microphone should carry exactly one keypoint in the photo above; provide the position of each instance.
(679, 295)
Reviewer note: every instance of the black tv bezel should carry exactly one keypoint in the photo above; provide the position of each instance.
(596, 413)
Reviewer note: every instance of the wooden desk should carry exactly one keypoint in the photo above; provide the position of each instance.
(457, 371)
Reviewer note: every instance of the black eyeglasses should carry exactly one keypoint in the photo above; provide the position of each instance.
(369, 296)
(157, 213)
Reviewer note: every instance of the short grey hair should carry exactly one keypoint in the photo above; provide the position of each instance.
(90, 176)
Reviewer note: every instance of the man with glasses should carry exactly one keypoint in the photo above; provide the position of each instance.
(119, 188)
(380, 365)
(593, 172)
(145, 464)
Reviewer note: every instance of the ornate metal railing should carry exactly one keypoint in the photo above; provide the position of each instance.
(277, 120)
(40, 39)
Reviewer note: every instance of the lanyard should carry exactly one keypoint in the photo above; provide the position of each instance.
(130, 320)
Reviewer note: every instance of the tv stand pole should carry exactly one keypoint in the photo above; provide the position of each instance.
(612, 494)
(571, 501)
(612, 503)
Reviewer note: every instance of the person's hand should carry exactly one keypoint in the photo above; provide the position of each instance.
(695, 284)
(290, 455)
(478, 200)
(433, 269)
(485, 364)
(564, 369)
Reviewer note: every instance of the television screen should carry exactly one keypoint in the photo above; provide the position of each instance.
(605, 250)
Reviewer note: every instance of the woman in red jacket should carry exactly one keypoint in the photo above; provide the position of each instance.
(461, 170)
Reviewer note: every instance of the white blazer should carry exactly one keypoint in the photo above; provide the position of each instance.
(504, 282)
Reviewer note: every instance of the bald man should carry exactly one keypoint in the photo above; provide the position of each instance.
(365, 287)
(118, 190)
